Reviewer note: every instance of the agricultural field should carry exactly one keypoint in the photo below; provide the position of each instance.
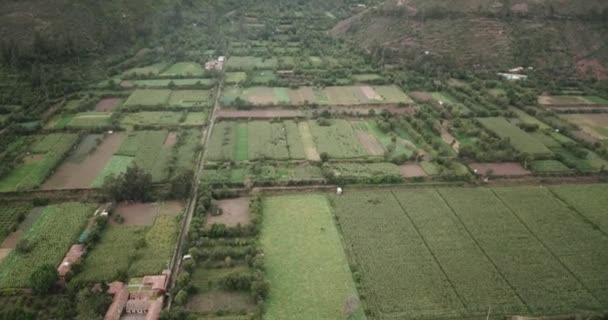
(11, 214)
(338, 140)
(235, 77)
(52, 234)
(463, 250)
(81, 120)
(519, 139)
(136, 247)
(298, 237)
(44, 154)
(571, 100)
(270, 140)
(184, 69)
(344, 95)
(264, 175)
(250, 63)
(594, 125)
(150, 70)
(151, 118)
(190, 98)
(173, 83)
(148, 98)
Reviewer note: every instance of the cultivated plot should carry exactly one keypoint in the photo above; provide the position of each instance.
(305, 264)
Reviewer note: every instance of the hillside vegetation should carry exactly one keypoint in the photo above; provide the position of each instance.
(561, 37)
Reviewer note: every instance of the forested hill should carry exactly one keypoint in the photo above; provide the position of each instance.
(564, 37)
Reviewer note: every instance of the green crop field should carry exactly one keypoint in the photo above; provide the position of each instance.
(184, 69)
(519, 139)
(188, 147)
(305, 264)
(549, 166)
(250, 63)
(120, 250)
(149, 152)
(177, 83)
(588, 200)
(150, 70)
(116, 166)
(273, 140)
(148, 98)
(190, 98)
(463, 249)
(46, 153)
(269, 174)
(10, 214)
(51, 235)
(335, 95)
(337, 140)
(367, 77)
(195, 119)
(235, 77)
(151, 118)
(364, 172)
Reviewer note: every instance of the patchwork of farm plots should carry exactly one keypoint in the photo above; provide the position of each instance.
(344, 95)
(291, 140)
(168, 98)
(51, 233)
(141, 245)
(455, 252)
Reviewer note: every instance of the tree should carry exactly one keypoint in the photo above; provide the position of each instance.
(181, 298)
(43, 278)
(134, 184)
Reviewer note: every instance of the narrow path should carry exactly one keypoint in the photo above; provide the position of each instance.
(177, 255)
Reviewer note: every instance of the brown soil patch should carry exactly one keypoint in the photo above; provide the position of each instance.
(171, 139)
(411, 170)
(80, 175)
(307, 140)
(500, 169)
(588, 123)
(12, 239)
(215, 301)
(4, 253)
(262, 96)
(127, 84)
(519, 8)
(143, 214)
(33, 158)
(370, 93)
(370, 143)
(258, 114)
(234, 212)
(582, 135)
(450, 140)
(420, 96)
(592, 67)
(107, 105)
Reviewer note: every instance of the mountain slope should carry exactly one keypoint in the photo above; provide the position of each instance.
(558, 36)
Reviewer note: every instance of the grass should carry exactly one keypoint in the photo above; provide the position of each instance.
(186, 150)
(153, 69)
(47, 152)
(148, 98)
(195, 119)
(305, 264)
(151, 118)
(262, 77)
(52, 235)
(337, 140)
(116, 166)
(190, 98)
(246, 63)
(90, 120)
(549, 166)
(235, 77)
(367, 77)
(184, 69)
(177, 83)
(519, 139)
(149, 152)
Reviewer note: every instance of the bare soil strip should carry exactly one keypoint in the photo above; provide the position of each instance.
(258, 114)
(369, 142)
(171, 139)
(107, 105)
(504, 169)
(143, 214)
(234, 212)
(309, 145)
(80, 175)
(411, 170)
